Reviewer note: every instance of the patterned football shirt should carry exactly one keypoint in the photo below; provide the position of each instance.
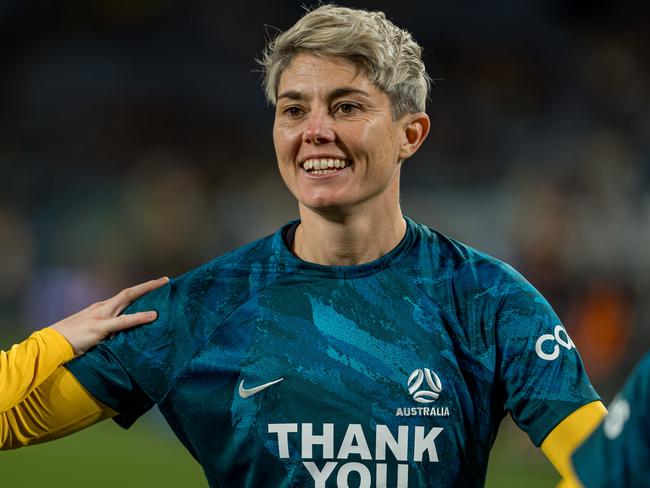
(276, 372)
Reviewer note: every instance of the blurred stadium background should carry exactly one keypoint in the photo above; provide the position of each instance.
(135, 142)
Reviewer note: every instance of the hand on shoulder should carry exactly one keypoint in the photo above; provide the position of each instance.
(91, 325)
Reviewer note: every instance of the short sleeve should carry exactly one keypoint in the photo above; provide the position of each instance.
(132, 371)
(106, 379)
(540, 369)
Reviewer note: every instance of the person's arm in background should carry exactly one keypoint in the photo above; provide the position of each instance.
(617, 453)
(40, 400)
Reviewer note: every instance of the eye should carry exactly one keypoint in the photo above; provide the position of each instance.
(293, 112)
(346, 108)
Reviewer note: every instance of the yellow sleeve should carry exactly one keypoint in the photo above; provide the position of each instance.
(39, 399)
(28, 364)
(56, 408)
(568, 435)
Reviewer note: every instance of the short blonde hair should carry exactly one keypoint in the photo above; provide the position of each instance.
(388, 55)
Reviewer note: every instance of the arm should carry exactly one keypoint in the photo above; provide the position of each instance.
(28, 364)
(617, 453)
(547, 390)
(39, 399)
(568, 435)
(56, 408)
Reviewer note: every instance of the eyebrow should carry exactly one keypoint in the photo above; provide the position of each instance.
(333, 95)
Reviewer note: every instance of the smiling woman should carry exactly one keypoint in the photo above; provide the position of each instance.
(295, 360)
(329, 110)
(310, 125)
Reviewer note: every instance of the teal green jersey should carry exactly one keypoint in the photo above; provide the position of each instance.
(618, 452)
(276, 372)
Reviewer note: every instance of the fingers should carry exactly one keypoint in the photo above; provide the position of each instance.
(127, 321)
(124, 298)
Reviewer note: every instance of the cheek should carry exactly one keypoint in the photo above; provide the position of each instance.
(376, 134)
(379, 145)
(286, 142)
(277, 140)
(284, 156)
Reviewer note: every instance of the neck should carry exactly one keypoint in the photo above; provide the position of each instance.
(350, 239)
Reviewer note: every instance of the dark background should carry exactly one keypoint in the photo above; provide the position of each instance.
(135, 141)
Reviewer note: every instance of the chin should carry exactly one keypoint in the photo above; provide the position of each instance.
(315, 202)
(331, 210)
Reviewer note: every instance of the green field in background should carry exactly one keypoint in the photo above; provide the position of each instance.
(147, 455)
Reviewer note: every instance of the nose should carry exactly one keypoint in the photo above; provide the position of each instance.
(318, 128)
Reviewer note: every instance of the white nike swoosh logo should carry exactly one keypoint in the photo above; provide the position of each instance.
(247, 392)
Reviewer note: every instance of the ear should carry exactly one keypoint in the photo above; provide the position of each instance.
(415, 129)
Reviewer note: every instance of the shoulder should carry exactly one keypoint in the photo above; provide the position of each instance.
(254, 259)
(190, 308)
(194, 304)
(243, 271)
(637, 387)
(464, 267)
(486, 297)
(643, 368)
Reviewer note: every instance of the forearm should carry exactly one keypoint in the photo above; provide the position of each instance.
(28, 364)
(58, 407)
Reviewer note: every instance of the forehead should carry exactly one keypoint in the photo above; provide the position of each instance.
(318, 75)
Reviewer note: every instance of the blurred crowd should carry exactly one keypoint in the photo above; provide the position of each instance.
(135, 142)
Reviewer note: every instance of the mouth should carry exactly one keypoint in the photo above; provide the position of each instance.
(324, 166)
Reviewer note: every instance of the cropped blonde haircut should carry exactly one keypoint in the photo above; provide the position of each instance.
(388, 55)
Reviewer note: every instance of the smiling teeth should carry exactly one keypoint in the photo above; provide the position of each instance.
(320, 164)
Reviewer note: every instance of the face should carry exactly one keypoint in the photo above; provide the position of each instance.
(337, 145)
